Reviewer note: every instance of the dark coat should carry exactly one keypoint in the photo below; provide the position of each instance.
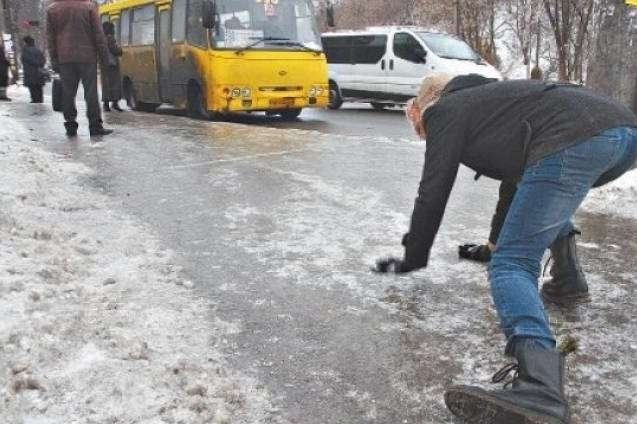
(75, 32)
(4, 69)
(498, 129)
(111, 75)
(33, 61)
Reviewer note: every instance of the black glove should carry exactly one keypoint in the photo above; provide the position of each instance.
(392, 266)
(475, 252)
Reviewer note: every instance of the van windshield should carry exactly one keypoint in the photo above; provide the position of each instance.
(448, 47)
(266, 25)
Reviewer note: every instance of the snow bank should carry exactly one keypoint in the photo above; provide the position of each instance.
(618, 197)
(97, 324)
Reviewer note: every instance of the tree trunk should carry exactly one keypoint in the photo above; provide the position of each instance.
(613, 66)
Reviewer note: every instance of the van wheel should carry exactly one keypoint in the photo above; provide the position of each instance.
(197, 108)
(132, 98)
(378, 106)
(290, 114)
(336, 101)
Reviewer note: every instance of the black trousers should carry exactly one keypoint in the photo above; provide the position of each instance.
(71, 75)
(37, 93)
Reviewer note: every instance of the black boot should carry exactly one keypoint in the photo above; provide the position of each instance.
(568, 284)
(71, 128)
(535, 396)
(99, 131)
(107, 107)
(116, 107)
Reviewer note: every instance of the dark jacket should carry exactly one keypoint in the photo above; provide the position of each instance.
(111, 76)
(33, 61)
(4, 69)
(75, 32)
(497, 129)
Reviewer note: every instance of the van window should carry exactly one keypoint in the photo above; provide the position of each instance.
(179, 21)
(144, 26)
(196, 31)
(405, 45)
(338, 49)
(125, 28)
(369, 49)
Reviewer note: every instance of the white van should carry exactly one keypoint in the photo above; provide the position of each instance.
(385, 66)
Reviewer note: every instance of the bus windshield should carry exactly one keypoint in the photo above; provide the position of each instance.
(448, 47)
(266, 25)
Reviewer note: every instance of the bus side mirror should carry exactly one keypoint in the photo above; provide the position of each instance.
(209, 14)
(329, 14)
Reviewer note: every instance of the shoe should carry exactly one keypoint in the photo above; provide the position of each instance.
(107, 108)
(534, 396)
(97, 132)
(116, 107)
(71, 129)
(568, 283)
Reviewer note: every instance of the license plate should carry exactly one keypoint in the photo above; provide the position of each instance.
(286, 101)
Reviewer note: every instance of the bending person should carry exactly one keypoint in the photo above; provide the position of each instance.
(559, 141)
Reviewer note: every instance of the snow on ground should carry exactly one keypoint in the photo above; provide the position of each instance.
(97, 323)
(618, 197)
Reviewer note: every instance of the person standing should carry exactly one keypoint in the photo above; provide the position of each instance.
(559, 141)
(111, 75)
(4, 74)
(33, 62)
(76, 42)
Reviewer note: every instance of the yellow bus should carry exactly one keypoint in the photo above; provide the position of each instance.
(214, 57)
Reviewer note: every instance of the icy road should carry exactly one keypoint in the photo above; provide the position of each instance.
(275, 225)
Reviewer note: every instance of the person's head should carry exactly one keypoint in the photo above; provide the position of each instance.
(429, 94)
(109, 28)
(29, 41)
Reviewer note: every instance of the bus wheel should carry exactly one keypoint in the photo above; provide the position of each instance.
(336, 101)
(196, 103)
(378, 106)
(134, 103)
(290, 114)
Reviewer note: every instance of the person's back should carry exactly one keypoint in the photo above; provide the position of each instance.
(33, 61)
(76, 42)
(4, 74)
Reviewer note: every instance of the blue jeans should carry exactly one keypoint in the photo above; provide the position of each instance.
(548, 196)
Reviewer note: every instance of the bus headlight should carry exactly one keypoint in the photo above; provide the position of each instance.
(319, 91)
(313, 92)
(246, 92)
(236, 92)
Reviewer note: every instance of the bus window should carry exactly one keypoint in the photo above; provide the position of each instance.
(118, 30)
(143, 31)
(125, 28)
(179, 21)
(104, 17)
(196, 31)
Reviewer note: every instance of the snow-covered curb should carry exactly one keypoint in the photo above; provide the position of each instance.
(96, 323)
(617, 198)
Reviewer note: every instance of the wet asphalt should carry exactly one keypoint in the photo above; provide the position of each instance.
(277, 224)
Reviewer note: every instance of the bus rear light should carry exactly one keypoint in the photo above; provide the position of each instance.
(236, 92)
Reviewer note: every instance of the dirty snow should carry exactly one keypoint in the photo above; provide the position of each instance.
(98, 324)
(618, 197)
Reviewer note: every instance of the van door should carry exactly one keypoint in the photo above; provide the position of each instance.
(408, 65)
(163, 48)
(369, 69)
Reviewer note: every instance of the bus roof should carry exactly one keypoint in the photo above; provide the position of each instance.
(117, 5)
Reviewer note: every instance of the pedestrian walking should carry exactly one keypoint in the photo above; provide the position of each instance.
(76, 42)
(111, 75)
(559, 141)
(4, 73)
(33, 62)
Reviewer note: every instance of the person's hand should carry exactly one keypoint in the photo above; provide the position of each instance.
(475, 252)
(391, 266)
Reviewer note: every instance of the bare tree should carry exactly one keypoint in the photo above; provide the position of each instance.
(523, 21)
(613, 67)
(570, 21)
